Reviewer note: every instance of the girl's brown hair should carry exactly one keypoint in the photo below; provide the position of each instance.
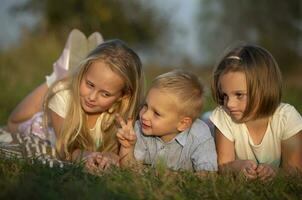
(263, 79)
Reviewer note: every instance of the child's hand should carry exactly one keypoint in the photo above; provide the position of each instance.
(97, 162)
(265, 172)
(126, 135)
(248, 168)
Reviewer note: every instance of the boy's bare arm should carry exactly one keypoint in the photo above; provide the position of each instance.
(127, 138)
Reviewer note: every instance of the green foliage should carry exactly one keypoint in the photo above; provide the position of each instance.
(275, 25)
(131, 20)
(23, 68)
(22, 180)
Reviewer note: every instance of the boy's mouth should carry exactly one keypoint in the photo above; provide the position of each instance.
(145, 126)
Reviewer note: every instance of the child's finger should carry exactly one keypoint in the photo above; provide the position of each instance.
(268, 175)
(251, 171)
(90, 166)
(120, 120)
(103, 162)
(120, 135)
(249, 175)
(266, 172)
(252, 165)
(130, 123)
(259, 168)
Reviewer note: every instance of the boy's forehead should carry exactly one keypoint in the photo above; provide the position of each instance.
(162, 92)
(163, 96)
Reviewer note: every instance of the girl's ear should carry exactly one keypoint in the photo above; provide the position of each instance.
(184, 123)
(126, 95)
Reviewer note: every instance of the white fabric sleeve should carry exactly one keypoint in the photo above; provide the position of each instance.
(223, 123)
(59, 103)
(292, 121)
(140, 148)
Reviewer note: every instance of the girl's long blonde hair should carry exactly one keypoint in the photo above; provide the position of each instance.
(74, 133)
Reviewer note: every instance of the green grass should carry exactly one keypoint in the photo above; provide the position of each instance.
(20, 180)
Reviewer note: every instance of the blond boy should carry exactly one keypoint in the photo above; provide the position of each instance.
(168, 128)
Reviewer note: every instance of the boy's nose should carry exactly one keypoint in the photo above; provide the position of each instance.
(144, 114)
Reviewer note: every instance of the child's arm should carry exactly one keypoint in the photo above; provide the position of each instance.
(291, 153)
(57, 122)
(127, 138)
(204, 157)
(227, 160)
(29, 106)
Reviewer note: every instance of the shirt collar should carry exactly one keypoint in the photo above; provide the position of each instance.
(181, 138)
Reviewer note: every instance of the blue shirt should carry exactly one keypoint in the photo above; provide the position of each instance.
(192, 149)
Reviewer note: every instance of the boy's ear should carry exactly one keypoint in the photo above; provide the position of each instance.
(184, 123)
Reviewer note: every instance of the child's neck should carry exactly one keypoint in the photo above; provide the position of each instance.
(257, 129)
(91, 120)
(167, 138)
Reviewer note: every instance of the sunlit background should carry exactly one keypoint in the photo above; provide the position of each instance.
(166, 34)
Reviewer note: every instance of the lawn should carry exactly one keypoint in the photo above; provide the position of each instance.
(21, 180)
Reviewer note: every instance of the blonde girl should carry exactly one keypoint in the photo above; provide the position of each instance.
(81, 108)
(256, 133)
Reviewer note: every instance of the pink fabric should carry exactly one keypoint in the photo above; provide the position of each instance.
(34, 126)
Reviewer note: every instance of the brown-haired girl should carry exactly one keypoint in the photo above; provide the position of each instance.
(255, 133)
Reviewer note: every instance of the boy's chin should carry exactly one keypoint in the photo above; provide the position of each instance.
(147, 133)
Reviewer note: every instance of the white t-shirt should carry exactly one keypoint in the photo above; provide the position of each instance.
(283, 124)
(59, 104)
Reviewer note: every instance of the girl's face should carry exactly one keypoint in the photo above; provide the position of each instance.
(100, 88)
(234, 91)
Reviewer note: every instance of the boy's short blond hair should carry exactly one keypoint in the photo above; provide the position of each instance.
(187, 89)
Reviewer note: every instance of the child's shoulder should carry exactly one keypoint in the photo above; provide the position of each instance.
(285, 112)
(200, 131)
(285, 108)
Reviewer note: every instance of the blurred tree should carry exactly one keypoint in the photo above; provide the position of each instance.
(133, 21)
(273, 24)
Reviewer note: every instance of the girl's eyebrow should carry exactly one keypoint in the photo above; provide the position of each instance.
(241, 91)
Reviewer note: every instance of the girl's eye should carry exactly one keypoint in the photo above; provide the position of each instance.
(89, 84)
(240, 95)
(225, 97)
(105, 94)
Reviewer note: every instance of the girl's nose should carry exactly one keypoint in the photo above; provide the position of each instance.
(92, 95)
(231, 103)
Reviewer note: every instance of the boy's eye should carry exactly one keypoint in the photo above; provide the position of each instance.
(157, 113)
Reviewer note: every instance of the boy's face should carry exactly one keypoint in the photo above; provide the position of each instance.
(159, 115)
